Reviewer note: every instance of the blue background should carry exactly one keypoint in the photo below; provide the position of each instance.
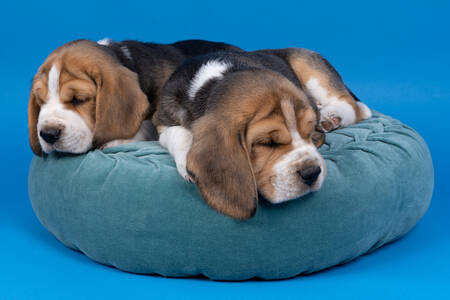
(394, 56)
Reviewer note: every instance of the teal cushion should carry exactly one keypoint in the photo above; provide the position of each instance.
(127, 207)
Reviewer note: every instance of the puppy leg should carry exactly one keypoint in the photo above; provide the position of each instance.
(338, 106)
(177, 140)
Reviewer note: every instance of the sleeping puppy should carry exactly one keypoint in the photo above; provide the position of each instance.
(239, 123)
(89, 95)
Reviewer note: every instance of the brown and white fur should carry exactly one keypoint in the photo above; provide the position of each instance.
(89, 95)
(239, 124)
(338, 106)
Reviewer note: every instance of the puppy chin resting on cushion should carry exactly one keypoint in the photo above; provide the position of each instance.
(88, 95)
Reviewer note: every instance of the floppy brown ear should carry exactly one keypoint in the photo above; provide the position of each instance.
(33, 114)
(121, 106)
(219, 163)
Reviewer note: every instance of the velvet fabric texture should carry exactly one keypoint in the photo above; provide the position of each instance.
(128, 207)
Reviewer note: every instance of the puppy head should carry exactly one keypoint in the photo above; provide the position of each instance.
(81, 97)
(260, 136)
(284, 152)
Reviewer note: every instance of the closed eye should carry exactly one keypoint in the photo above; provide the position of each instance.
(269, 143)
(76, 101)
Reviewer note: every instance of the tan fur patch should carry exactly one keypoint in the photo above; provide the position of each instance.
(305, 71)
(306, 122)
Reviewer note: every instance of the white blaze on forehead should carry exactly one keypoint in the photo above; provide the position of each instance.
(53, 84)
(210, 70)
(330, 105)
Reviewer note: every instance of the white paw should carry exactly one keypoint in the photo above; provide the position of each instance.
(181, 167)
(336, 114)
(180, 161)
(177, 140)
(329, 122)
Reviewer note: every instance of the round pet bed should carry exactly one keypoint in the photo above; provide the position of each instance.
(127, 207)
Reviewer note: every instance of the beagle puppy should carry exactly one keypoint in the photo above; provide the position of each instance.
(243, 123)
(89, 95)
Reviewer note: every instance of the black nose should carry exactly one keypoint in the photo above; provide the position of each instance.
(50, 135)
(309, 175)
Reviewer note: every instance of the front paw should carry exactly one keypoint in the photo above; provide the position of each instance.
(330, 122)
(183, 172)
(180, 162)
(337, 114)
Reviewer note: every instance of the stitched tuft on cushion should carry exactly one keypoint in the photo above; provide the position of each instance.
(127, 207)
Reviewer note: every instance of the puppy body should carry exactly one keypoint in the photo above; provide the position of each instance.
(99, 94)
(239, 123)
(308, 70)
(245, 126)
